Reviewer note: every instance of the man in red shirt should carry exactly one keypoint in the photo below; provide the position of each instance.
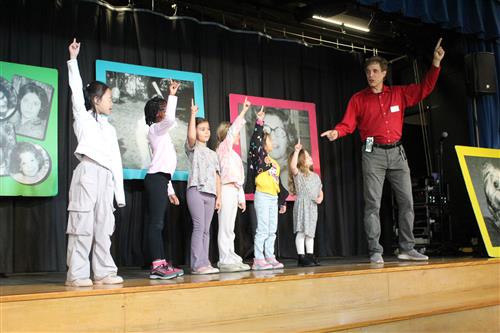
(378, 113)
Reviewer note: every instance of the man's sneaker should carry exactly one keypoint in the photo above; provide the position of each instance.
(376, 258)
(162, 272)
(205, 270)
(412, 255)
(79, 283)
(275, 263)
(110, 279)
(261, 264)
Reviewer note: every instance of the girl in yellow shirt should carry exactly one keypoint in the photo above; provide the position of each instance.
(263, 178)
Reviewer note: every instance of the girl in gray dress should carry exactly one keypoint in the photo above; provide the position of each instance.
(306, 185)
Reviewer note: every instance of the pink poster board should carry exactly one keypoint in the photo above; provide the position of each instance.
(286, 121)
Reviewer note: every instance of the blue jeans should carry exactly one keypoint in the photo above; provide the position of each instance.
(266, 209)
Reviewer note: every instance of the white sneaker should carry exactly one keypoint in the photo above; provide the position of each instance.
(110, 279)
(79, 283)
(236, 267)
(244, 267)
(228, 268)
(412, 255)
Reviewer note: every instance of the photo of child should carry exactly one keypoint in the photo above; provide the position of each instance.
(29, 163)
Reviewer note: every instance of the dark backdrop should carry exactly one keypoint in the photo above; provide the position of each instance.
(32, 230)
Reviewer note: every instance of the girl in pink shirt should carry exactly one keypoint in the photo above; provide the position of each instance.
(160, 117)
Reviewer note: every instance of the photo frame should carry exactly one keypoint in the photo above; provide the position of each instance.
(481, 172)
(287, 121)
(28, 130)
(132, 86)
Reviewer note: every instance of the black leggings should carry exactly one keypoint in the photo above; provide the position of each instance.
(156, 187)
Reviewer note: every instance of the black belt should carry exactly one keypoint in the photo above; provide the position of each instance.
(388, 146)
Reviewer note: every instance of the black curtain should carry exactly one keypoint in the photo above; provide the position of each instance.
(32, 230)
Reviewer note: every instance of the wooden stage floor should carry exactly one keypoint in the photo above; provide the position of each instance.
(344, 294)
(36, 286)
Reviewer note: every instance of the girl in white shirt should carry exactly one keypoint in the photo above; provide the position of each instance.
(96, 180)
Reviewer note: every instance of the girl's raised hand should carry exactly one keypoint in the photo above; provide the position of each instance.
(298, 146)
(261, 114)
(194, 108)
(246, 105)
(173, 86)
(74, 49)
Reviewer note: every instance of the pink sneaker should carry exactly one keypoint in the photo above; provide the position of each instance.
(205, 270)
(274, 263)
(163, 270)
(261, 264)
(177, 271)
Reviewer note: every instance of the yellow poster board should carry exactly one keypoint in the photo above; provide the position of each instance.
(481, 171)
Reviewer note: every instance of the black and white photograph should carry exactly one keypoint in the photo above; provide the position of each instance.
(34, 100)
(286, 121)
(29, 163)
(285, 126)
(485, 176)
(130, 92)
(7, 143)
(8, 99)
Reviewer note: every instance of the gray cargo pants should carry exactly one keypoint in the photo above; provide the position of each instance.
(391, 164)
(91, 222)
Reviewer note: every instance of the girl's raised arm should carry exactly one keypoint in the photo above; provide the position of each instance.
(295, 158)
(75, 81)
(191, 134)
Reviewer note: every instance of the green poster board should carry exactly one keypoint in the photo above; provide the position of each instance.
(28, 130)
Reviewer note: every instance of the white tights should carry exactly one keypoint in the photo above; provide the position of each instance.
(300, 239)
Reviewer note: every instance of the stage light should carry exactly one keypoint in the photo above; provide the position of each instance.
(342, 20)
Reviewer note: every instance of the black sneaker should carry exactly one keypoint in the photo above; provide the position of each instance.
(304, 261)
(314, 259)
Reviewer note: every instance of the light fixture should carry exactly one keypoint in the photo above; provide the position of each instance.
(345, 21)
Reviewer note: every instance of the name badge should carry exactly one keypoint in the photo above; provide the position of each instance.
(395, 108)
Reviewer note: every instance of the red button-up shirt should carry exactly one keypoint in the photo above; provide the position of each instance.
(381, 114)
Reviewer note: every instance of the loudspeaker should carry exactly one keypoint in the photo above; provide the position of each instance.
(480, 73)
